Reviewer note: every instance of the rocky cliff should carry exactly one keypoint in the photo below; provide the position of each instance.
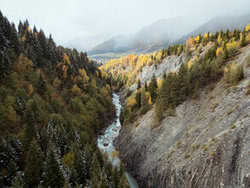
(206, 144)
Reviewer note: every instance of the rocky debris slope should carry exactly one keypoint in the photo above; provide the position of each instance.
(207, 143)
(171, 63)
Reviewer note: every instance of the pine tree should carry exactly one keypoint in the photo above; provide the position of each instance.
(5, 63)
(31, 118)
(243, 39)
(138, 99)
(17, 182)
(43, 42)
(108, 172)
(104, 183)
(139, 84)
(94, 181)
(14, 40)
(146, 87)
(33, 168)
(152, 88)
(79, 167)
(162, 101)
(8, 162)
(41, 88)
(183, 83)
(95, 168)
(53, 176)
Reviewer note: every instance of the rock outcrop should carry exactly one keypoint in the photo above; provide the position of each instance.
(207, 143)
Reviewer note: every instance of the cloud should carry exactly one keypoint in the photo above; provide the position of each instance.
(67, 20)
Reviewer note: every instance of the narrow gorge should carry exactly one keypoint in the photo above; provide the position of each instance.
(105, 140)
(205, 144)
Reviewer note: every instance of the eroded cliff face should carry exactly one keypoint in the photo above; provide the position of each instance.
(207, 143)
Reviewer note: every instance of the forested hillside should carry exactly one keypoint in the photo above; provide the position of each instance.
(53, 102)
(185, 119)
(202, 61)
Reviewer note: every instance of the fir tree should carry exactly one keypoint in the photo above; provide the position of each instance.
(138, 99)
(243, 39)
(139, 84)
(95, 168)
(14, 40)
(43, 42)
(33, 168)
(152, 88)
(79, 167)
(5, 63)
(161, 103)
(146, 87)
(41, 88)
(104, 183)
(108, 172)
(53, 176)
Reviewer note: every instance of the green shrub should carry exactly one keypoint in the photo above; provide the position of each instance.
(233, 74)
(248, 88)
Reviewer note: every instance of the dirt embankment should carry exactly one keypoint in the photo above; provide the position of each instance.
(207, 143)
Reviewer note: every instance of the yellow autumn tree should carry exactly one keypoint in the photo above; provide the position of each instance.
(97, 73)
(131, 102)
(84, 75)
(247, 28)
(104, 75)
(206, 35)
(68, 159)
(57, 83)
(30, 89)
(197, 39)
(93, 83)
(190, 42)
(148, 97)
(76, 90)
(190, 63)
(231, 45)
(11, 114)
(65, 70)
(219, 51)
(108, 88)
(159, 56)
(219, 40)
(159, 82)
(66, 58)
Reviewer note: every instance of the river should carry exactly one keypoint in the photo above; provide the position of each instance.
(105, 141)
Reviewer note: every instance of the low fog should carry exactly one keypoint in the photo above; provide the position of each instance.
(85, 23)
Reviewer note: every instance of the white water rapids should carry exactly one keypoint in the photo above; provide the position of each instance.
(105, 141)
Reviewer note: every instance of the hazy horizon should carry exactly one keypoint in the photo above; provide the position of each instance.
(86, 23)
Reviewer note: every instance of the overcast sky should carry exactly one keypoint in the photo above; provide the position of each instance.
(91, 21)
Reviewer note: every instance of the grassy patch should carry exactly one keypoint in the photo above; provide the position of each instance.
(204, 147)
(230, 110)
(248, 88)
(194, 147)
(214, 105)
(178, 144)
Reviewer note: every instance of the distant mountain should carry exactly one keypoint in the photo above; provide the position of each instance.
(165, 32)
(150, 38)
(217, 23)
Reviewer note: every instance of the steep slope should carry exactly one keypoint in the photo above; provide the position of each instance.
(185, 121)
(204, 145)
